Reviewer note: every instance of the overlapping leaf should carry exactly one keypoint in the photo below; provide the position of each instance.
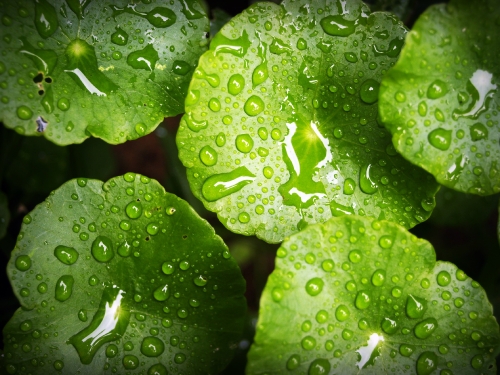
(73, 69)
(121, 277)
(441, 100)
(280, 127)
(358, 296)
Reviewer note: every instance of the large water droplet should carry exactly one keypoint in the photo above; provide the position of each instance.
(368, 91)
(378, 277)
(134, 209)
(102, 249)
(366, 181)
(46, 21)
(208, 156)
(314, 286)
(427, 363)
(162, 293)
(389, 326)
(443, 278)
(336, 25)
(220, 185)
(254, 105)
(425, 328)
(66, 255)
(440, 138)
(244, 143)
(152, 346)
(23, 263)
(478, 131)
(363, 300)
(161, 17)
(235, 84)
(342, 313)
(319, 366)
(64, 288)
(145, 58)
(293, 362)
(119, 37)
(415, 306)
(437, 89)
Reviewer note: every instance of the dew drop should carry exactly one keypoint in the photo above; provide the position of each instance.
(23, 263)
(369, 91)
(366, 181)
(437, 89)
(244, 143)
(119, 37)
(415, 306)
(378, 277)
(24, 113)
(130, 362)
(314, 286)
(66, 255)
(308, 343)
(102, 249)
(426, 363)
(235, 84)
(293, 362)
(342, 313)
(152, 346)
(220, 185)
(254, 105)
(319, 366)
(440, 138)
(363, 300)
(64, 288)
(425, 328)
(336, 25)
(389, 326)
(46, 21)
(443, 278)
(208, 156)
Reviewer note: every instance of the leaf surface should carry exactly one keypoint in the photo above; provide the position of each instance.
(280, 126)
(121, 277)
(73, 69)
(354, 295)
(441, 100)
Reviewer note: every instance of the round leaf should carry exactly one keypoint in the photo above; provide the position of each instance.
(355, 295)
(121, 276)
(440, 101)
(280, 127)
(73, 69)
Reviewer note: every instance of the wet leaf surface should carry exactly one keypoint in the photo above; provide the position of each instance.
(74, 69)
(441, 99)
(280, 127)
(354, 295)
(121, 277)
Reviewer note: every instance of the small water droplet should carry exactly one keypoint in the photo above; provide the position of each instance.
(23, 263)
(244, 143)
(161, 17)
(46, 21)
(208, 156)
(64, 288)
(366, 180)
(24, 112)
(369, 91)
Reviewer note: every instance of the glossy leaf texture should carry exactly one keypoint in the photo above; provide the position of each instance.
(72, 69)
(280, 127)
(121, 277)
(4, 214)
(359, 296)
(441, 99)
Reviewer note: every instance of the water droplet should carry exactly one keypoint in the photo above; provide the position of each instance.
(425, 328)
(437, 89)
(24, 113)
(378, 277)
(181, 67)
(478, 131)
(322, 316)
(66, 255)
(342, 313)
(162, 293)
(58, 365)
(145, 58)
(260, 74)
(167, 268)
(389, 326)
(130, 362)
(426, 363)
(406, 350)
(254, 105)
(42, 288)
(220, 185)
(23, 263)
(369, 91)
(385, 242)
(314, 286)
(319, 366)
(443, 278)
(119, 37)
(152, 346)
(235, 84)
(64, 288)
(214, 104)
(366, 181)
(46, 21)
(301, 44)
(327, 265)
(244, 143)
(293, 362)
(220, 140)
(193, 124)
(152, 228)
(362, 300)
(179, 358)
(102, 249)
(355, 256)
(440, 138)
(111, 351)
(415, 306)
(208, 156)
(308, 343)
(336, 25)
(351, 57)
(108, 324)
(161, 17)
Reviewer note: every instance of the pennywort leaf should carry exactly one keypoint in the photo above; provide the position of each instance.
(441, 99)
(121, 277)
(354, 295)
(281, 129)
(74, 69)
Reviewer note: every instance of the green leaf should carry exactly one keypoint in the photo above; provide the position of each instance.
(73, 69)
(354, 295)
(4, 214)
(280, 127)
(121, 276)
(440, 101)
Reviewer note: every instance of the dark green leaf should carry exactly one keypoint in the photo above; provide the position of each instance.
(440, 101)
(73, 69)
(280, 127)
(355, 295)
(121, 276)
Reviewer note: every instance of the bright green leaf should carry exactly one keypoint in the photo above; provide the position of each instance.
(73, 69)
(4, 214)
(440, 101)
(121, 276)
(355, 295)
(280, 127)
